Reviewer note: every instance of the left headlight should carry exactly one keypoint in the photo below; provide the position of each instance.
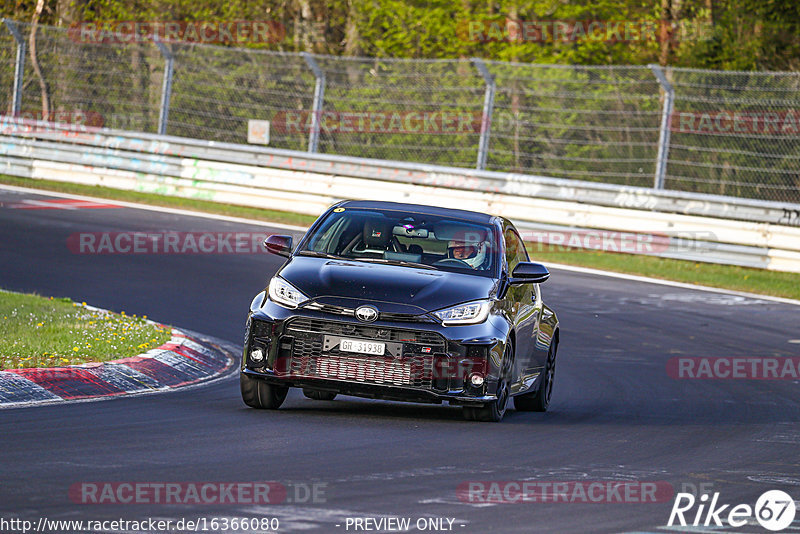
(283, 293)
(469, 313)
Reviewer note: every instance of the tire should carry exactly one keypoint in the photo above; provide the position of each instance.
(540, 400)
(258, 394)
(494, 411)
(319, 395)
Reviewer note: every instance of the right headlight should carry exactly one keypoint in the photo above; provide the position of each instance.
(469, 313)
(283, 293)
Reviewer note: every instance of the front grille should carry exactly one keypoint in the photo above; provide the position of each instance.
(415, 371)
(414, 368)
(430, 339)
(350, 312)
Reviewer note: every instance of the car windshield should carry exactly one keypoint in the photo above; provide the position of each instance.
(406, 238)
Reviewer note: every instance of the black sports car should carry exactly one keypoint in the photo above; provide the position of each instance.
(403, 302)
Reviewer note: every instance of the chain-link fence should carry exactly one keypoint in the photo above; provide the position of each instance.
(727, 133)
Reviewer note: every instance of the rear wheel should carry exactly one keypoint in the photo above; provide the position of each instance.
(319, 395)
(258, 394)
(540, 401)
(495, 410)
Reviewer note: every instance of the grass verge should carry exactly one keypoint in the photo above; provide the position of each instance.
(773, 283)
(723, 276)
(53, 332)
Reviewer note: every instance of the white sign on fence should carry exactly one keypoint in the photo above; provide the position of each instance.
(257, 132)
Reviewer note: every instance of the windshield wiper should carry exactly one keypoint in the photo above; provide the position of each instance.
(398, 262)
(316, 254)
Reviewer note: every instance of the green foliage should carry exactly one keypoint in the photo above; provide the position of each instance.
(726, 34)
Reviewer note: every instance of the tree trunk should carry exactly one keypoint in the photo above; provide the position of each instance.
(35, 61)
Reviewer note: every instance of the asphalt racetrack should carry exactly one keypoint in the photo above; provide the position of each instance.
(617, 415)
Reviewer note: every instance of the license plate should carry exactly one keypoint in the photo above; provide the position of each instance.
(362, 347)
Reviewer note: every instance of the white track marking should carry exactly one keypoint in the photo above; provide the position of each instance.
(670, 283)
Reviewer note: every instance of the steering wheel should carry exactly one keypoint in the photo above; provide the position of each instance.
(454, 262)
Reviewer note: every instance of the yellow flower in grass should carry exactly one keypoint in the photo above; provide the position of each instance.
(39, 324)
(76, 349)
(64, 360)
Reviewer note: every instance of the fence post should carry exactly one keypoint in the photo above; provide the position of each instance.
(19, 68)
(166, 89)
(316, 106)
(666, 118)
(488, 107)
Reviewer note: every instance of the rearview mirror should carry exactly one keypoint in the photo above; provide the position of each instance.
(529, 273)
(279, 244)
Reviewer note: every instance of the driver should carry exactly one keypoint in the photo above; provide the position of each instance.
(471, 253)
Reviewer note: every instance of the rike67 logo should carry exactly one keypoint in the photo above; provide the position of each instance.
(774, 511)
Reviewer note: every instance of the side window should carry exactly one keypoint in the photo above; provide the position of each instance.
(515, 249)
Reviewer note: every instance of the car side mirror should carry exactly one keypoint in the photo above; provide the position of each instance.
(528, 272)
(279, 244)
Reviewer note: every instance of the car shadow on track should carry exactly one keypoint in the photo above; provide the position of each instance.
(391, 410)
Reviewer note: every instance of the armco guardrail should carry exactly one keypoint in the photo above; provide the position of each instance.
(687, 226)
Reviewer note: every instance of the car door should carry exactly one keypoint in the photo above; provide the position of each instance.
(525, 311)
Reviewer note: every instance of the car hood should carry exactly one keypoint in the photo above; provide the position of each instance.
(323, 280)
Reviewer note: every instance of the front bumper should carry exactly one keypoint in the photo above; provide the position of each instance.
(423, 361)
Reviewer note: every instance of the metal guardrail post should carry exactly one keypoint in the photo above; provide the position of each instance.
(316, 106)
(488, 107)
(19, 68)
(666, 118)
(166, 89)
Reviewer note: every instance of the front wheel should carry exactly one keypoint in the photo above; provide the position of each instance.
(540, 401)
(494, 411)
(258, 394)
